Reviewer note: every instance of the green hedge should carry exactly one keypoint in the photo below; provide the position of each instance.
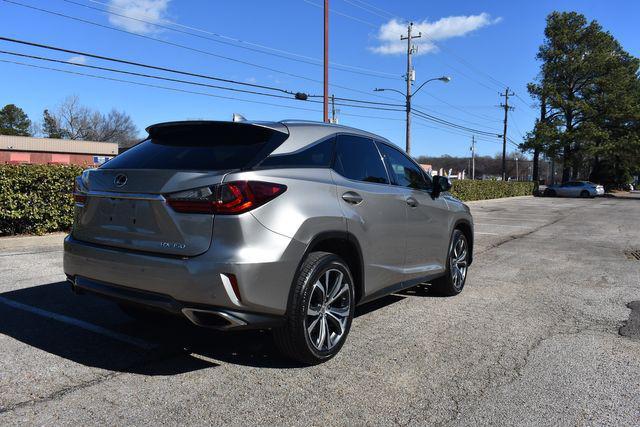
(469, 190)
(36, 199)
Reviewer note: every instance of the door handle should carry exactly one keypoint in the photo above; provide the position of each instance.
(412, 202)
(352, 197)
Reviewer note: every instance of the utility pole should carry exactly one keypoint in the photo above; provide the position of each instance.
(333, 110)
(325, 104)
(506, 107)
(409, 77)
(517, 171)
(473, 157)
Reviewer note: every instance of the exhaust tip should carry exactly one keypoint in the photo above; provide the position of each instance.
(211, 318)
(72, 284)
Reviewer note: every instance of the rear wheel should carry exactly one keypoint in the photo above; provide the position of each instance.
(457, 264)
(320, 310)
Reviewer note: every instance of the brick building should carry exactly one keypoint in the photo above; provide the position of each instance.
(24, 149)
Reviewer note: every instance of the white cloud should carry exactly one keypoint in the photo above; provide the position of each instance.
(146, 10)
(78, 59)
(444, 28)
(250, 80)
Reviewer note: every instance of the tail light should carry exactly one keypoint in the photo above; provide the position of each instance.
(79, 194)
(229, 198)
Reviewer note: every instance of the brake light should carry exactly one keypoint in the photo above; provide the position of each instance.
(229, 198)
(79, 196)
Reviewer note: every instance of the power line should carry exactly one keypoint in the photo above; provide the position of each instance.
(343, 14)
(448, 123)
(139, 64)
(423, 123)
(150, 76)
(168, 79)
(204, 52)
(361, 101)
(154, 86)
(367, 8)
(393, 15)
(240, 43)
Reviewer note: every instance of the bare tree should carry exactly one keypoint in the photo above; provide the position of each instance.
(76, 121)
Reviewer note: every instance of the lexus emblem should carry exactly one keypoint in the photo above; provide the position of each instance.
(120, 180)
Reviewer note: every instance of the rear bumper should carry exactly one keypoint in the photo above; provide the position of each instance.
(221, 318)
(262, 285)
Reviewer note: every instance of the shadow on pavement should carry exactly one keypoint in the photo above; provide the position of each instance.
(171, 345)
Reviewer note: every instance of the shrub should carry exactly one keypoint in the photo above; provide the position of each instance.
(36, 199)
(468, 190)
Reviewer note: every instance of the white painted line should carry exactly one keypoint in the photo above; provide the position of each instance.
(511, 219)
(502, 225)
(80, 324)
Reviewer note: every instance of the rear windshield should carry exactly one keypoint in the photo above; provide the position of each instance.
(220, 146)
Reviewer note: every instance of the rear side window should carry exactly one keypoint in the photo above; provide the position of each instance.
(406, 173)
(358, 158)
(318, 155)
(211, 146)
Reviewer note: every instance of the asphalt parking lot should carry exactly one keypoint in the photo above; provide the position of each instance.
(533, 339)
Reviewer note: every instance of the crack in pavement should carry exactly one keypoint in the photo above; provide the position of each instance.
(162, 357)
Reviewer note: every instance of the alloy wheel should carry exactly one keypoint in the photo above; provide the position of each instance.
(458, 262)
(328, 310)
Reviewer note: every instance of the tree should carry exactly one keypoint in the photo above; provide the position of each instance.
(588, 86)
(50, 126)
(75, 121)
(14, 121)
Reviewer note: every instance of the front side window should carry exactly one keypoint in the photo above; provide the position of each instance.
(405, 172)
(358, 158)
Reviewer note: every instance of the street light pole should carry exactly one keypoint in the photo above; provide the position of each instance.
(408, 97)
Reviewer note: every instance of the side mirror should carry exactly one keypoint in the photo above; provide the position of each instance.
(440, 184)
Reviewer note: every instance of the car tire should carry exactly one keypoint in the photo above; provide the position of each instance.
(320, 310)
(453, 281)
(550, 193)
(585, 194)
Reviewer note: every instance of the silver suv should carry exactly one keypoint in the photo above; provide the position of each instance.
(273, 225)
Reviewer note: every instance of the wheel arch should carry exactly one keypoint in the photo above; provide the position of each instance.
(347, 247)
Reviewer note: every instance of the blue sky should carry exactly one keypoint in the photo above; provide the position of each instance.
(481, 45)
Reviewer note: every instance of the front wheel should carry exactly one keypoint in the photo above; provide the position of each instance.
(457, 264)
(320, 310)
(585, 194)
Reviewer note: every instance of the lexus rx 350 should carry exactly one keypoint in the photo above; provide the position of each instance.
(273, 225)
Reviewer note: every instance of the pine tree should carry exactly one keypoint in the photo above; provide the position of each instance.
(14, 121)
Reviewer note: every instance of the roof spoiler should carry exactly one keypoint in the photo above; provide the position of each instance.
(161, 129)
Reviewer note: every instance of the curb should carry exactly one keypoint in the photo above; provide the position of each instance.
(15, 242)
(501, 198)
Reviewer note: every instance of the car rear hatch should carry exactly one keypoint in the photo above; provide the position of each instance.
(123, 203)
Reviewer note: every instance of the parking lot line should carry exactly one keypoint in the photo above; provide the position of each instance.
(80, 324)
(510, 219)
(502, 225)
